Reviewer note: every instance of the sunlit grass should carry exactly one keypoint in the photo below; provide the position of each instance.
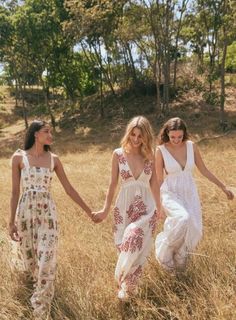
(85, 286)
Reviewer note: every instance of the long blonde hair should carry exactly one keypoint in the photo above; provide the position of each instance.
(144, 126)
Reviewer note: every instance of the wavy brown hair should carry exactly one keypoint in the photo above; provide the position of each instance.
(170, 125)
(35, 126)
(144, 126)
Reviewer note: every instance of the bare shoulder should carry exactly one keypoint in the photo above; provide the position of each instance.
(115, 154)
(17, 157)
(195, 148)
(158, 151)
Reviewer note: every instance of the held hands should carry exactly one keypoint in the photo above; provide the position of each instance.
(12, 230)
(99, 216)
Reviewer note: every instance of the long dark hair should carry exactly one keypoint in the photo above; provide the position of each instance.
(35, 126)
(172, 124)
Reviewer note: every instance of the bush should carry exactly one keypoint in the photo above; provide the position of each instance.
(211, 98)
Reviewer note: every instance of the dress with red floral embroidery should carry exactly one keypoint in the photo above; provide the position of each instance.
(134, 224)
(36, 220)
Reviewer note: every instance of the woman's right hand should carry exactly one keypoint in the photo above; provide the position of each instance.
(229, 193)
(161, 214)
(13, 232)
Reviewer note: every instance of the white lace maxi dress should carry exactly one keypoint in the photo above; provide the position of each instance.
(134, 224)
(183, 225)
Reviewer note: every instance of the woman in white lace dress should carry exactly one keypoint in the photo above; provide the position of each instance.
(135, 208)
(176, 157)
(33, 221)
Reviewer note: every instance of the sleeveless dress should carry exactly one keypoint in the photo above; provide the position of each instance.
(183, 225)
(134, 224)
(36, 220)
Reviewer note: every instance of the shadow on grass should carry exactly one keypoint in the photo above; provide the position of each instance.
(79, 131)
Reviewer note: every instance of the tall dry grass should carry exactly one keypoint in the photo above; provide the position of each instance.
(85, 288)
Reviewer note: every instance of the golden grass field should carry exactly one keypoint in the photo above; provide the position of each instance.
(85, 286)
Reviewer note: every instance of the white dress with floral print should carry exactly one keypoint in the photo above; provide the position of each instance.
(180, 200)
(36, 220)
(134, 224)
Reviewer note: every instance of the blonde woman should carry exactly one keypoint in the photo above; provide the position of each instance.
(136, 206)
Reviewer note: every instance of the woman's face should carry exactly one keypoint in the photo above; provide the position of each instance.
(44, 135)
(176, 136)
(135, 137)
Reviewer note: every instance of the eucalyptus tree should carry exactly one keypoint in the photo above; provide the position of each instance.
(93, 23)
(227, 36)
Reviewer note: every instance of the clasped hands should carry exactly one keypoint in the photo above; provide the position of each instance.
(98, 216)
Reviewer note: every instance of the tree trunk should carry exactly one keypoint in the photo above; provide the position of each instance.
(101, 83)
(157, 81)
(183, 8)
(47, 102)
(22, 94)
(222, 79)
(134, 75)
(16, 93)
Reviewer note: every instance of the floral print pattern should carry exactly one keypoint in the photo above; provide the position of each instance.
(134, 240)
(137, 209)
(132, 278)
(125, 174)
(153, 222)
(117, 216)
(134, 219)
(148, 167)
(37, 227)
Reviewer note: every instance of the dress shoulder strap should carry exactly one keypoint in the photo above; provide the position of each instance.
(118, 151)
(52, 164)
(120, 154)
(190, 150)
(24, 157)
(162, 148)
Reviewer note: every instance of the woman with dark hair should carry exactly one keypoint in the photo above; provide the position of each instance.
(33, 221)
(176, 157)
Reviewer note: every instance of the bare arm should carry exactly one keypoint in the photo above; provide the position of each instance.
(155, 188)
(16, 173)
(159, 166)
(101, 215)
(208, 174)
(159, 170)
(72, 193)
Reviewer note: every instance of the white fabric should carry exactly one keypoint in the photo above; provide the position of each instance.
(134, 223)
(183, 225)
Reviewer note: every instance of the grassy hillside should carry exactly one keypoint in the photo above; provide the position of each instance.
(85, 286)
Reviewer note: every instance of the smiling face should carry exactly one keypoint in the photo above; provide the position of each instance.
(44, 135)
(136, 138)
(176, 137)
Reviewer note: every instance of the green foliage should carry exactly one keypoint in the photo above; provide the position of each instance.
(230, 63)
(121, 45)
(211, 98)
(73, 73)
